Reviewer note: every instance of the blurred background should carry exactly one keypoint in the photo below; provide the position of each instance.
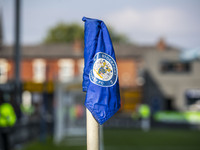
(157, 46)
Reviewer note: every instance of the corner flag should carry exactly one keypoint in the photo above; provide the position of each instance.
(100, 77)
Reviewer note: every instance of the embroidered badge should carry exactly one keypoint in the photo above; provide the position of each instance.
(104, 70)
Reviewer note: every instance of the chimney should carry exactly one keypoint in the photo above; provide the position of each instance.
(161, 45)
(78, 46)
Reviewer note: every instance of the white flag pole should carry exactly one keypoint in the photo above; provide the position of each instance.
(93, 135)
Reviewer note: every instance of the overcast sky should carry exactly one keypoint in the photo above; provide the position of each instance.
(143, 21)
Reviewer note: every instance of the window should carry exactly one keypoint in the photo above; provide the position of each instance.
(26, 99)
(66, 69)
(3, 71)
(192, 96)
(175, 67)
(39, 70)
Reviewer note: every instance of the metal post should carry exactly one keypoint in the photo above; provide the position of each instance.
(17, 50)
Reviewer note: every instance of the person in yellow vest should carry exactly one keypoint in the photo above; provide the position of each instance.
(7, 120)
(145, 112)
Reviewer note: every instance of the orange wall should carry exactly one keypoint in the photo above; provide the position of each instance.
(127, 72)
(26, 70)
(52, 69)
(10, 69)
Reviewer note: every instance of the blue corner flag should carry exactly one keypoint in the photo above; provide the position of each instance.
(100, 77)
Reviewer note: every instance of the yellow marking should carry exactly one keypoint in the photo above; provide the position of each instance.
(104, 64)
(98, 74)
(108, 69)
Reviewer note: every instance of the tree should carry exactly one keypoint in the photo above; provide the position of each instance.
(67, 33)
(64, 33)
(116, 37)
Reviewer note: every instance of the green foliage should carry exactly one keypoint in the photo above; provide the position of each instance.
(64, 33)
(67, 33)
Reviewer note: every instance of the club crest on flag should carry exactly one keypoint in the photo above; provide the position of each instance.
(104, 70)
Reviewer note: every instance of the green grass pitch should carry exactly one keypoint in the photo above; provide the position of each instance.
(131, 139)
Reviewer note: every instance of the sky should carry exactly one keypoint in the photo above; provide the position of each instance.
(144, 22)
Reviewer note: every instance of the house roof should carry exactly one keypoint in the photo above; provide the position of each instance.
(68, 51)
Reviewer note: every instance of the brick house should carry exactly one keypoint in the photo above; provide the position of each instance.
(41, 63)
